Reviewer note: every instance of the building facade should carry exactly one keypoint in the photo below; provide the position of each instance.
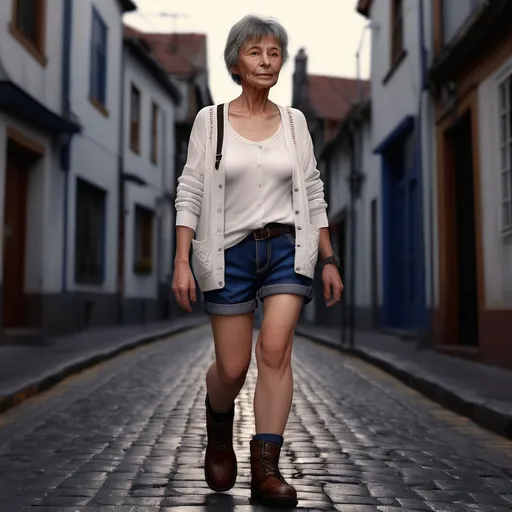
(147, 191)
(184, 59)
(398, 52)
(36, 127)
(471, 77)
(91, 188)
(354, 218)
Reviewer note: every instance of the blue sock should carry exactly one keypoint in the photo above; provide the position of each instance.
(269, 438)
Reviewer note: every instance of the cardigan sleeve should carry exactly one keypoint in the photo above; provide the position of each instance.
(189, 192)
(314, 184)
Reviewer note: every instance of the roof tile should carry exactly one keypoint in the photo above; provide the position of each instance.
(181, 54)
(332, 97)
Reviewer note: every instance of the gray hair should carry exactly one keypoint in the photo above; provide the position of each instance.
(248, 29)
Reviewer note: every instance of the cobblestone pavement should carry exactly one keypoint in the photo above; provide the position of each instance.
(128, 436)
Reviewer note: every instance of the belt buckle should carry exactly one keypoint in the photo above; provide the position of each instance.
(266, 230)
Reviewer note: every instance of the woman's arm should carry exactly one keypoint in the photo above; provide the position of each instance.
(333, 286)
(183, 284)
(189, 200)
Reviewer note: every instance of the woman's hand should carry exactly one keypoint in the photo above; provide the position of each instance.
(183, 285)
(333, 286)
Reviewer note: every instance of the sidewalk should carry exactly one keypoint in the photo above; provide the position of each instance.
(481, 392)
(25, 370)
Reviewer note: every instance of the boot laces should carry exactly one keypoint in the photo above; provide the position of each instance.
(270, 468)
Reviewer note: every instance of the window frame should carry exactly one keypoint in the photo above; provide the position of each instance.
(397, 31)
(35, 48)
(98, 78)
(154, 135)
(504, 138)
(135, 123)
(143, 231)
(98, 277)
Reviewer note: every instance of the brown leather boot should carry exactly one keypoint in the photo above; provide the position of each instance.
(268, 487)
(220, 465)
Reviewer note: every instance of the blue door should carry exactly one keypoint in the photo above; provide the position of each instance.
(403, 301)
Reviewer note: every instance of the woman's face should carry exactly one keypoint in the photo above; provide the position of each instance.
(259, 63)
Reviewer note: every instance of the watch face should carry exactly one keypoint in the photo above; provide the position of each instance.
(334, 260)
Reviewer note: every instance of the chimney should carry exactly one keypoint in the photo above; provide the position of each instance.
(299, 77)
(301, 63)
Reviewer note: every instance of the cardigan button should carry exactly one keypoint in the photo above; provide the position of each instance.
(220, 283)
(298, 268)
(219, 250)
(219, 209)
(296, 190)
(299, 228)
(296, 212)
(220, 186)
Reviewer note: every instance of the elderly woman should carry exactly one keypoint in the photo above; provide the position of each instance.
(251, 203)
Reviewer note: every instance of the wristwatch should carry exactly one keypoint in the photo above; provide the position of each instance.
(332, 260)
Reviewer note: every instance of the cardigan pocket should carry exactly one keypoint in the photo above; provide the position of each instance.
(313, 240)
(202, 261)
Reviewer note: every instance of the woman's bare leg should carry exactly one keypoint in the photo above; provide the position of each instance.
(273, 399)
(233, 347)
(225, 378)
(274, 386)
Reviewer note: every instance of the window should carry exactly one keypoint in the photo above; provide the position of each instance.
(134, 119)
(397, 31)
(154, 133)
(455, 15)
(89, 233)
(505, 138)
(143, 240)
(98, 71)
(28, 26)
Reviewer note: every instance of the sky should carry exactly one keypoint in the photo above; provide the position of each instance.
(329, 30)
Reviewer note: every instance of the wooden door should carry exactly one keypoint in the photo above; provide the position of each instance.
(14, 233)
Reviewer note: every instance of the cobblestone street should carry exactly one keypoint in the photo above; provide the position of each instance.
(129, 434)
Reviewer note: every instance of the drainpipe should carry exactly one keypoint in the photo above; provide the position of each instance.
(162, 212)
(121, 191)
(355, 181)
(426, 182)
(65, 153)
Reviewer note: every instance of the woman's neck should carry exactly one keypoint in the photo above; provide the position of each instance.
(254, 103)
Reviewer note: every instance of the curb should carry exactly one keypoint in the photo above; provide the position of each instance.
(59, 374)
(484, 414)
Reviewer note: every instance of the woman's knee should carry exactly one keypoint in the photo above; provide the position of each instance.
(233, 346)
(232, 373)
(273, 352)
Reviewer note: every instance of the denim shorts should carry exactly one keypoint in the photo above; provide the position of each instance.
(255, 269)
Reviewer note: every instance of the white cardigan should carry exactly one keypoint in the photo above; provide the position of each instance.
(200, 196)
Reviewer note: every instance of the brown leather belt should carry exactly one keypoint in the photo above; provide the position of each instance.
(272, 230)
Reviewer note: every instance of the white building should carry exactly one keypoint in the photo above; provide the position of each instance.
(400, 127)
(34, 128)
(150, 101)
(348, 152)
(93, 181)
(60, 78)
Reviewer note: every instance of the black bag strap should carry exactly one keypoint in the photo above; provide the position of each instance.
(220, 134)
